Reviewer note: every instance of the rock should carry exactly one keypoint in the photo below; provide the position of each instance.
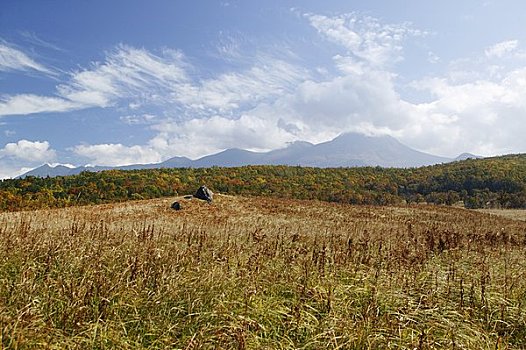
(188, 197)
(204, 193)
(176, 206)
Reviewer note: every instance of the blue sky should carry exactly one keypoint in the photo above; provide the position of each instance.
(122, 82)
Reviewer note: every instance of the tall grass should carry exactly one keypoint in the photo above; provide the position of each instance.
(261, 274)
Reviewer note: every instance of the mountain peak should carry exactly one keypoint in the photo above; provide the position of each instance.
(465, 156)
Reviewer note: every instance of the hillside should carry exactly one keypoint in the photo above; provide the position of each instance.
(478, 183)
(260, 273)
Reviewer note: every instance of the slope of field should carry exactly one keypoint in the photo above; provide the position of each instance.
(261, 273)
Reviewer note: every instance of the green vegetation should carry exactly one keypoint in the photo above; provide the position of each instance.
(261, 273)
(484, 183)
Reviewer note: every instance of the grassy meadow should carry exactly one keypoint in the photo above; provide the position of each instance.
(261, 273)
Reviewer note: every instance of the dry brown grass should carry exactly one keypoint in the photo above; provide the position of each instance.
(514, 214)
(261, 273)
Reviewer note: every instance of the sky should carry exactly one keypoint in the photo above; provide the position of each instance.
(124, 82)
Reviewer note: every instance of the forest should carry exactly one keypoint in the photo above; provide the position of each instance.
(497, 182)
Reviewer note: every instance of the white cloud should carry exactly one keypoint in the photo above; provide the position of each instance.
(366, 38)
(135, 119)
(9, 172)
(136, 78)
(117, 154)
(32, 151)
(18, 158)
(501, 49)
(12, 59)
(483, 116)
(28, 104)
(268, 78)
(344, 101)
(257, 131)
(126, 73)
(260, 130)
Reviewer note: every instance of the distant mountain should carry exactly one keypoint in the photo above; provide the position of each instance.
(61, 170)
(465, 156)
(175, 162)
(354, 149)
(230, 158)
(346, 150)
(51, 171)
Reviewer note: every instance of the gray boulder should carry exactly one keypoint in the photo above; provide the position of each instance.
(205, 194)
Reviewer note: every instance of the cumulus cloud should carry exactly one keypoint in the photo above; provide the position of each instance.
(12, 59)
(483, 116)
(17, 158)
(32, 151)
(257, 131)
(117, 154)
(346, 100)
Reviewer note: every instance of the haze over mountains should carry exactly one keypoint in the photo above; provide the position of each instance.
(346, 150)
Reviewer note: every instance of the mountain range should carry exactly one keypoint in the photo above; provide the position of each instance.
(346, 150)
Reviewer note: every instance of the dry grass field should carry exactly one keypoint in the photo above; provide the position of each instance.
(259, 273)
(515, 214)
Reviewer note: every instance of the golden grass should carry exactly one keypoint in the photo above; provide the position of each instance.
(261, 273)
(514, 214)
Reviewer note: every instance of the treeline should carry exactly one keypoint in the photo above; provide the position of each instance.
(490, 182)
